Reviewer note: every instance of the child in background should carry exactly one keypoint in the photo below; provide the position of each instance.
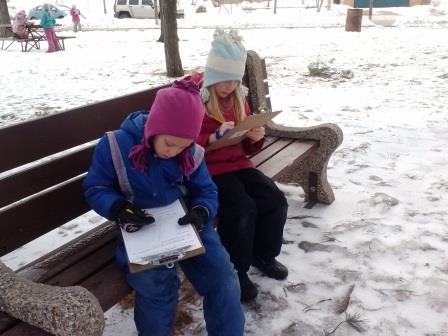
(162, 164)
(252, 210)
(19, 27)
(47, 21)
(76, 13)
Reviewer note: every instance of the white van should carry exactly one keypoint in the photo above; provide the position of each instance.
(138, 9)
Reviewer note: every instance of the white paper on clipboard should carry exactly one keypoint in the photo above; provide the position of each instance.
(161, 239)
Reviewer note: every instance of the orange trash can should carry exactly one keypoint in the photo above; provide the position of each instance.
(354, 20)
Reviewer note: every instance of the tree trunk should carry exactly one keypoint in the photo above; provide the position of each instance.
(171, 44)
(104, 5)
(4, 19)
(319, 4)
(161, 38)
(156, 11)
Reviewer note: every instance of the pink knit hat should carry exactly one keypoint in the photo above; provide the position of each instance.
(177, 111)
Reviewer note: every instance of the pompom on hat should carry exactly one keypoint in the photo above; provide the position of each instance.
(176, 111)
(226, 59)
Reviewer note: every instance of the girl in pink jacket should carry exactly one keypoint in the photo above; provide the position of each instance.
(252, 209)
(76, 13)
(19, 27)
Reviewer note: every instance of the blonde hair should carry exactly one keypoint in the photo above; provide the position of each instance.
(214, 111)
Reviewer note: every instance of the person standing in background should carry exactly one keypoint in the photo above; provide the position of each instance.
(47, 21)
(76, 13)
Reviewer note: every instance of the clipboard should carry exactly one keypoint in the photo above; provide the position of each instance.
(163, 257)
(238, 133)
(167, 260)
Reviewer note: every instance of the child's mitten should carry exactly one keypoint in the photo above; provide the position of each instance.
(129, 217)
(198, 216)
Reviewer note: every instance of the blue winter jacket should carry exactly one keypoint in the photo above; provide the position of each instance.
(161, 184)
(47, 20)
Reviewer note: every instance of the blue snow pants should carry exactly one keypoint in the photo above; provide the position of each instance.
(211, 274)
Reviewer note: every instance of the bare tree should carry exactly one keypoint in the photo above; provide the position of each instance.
(319, 4)
(159, 13)
(156, 12)
(4, 19)
(168, 10)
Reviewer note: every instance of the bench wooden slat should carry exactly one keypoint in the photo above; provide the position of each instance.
(24, 329)
(31, 219)
(268, 103)
(109, 286)
(39, 138)
(266, 88)
(64, 257)
(271, 150)
(16, 39)
(287, 156)
(86, 267)
(263, 68)
(268, 141)
(44, 175)
(6, 322)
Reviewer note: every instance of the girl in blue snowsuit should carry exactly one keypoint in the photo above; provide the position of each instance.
(162, 164)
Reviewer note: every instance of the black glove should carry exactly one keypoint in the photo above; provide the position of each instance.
(129, 217)
(198, 216)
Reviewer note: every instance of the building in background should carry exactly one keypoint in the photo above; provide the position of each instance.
(385, 3)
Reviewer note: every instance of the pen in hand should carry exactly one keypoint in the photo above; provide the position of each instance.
(129, 217)
(221, 131)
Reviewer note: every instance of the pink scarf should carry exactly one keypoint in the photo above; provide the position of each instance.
(139, 155)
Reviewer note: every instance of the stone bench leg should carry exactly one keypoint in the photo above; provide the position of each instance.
(64, 311)
(310, 172)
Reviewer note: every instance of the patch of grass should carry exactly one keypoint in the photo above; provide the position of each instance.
(322, 70)
(353, 320)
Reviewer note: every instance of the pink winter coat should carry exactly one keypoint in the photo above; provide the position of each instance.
(19, 26)
(75, 13)
(230, 158)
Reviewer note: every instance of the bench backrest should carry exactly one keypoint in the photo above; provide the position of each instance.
(46, 191)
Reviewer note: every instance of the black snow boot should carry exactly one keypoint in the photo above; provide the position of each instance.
(248, 289)
(271, 267)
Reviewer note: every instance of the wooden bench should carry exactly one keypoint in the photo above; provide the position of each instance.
(32, 42)
(26, 44)
(45, 194)
(61, 40)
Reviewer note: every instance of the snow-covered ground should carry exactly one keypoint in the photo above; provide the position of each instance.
(386, 234)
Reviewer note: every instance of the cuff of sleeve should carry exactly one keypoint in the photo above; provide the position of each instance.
(202, 207)
(117, 207)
